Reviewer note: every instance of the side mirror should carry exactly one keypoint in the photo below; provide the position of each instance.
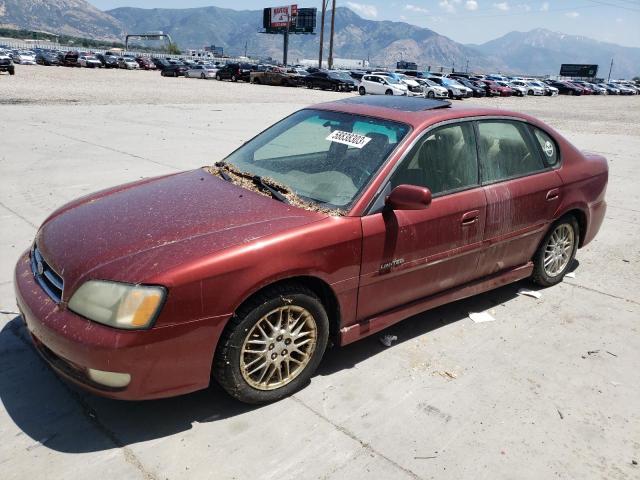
(408, 197)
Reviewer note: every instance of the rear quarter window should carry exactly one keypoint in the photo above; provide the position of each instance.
(548, 146)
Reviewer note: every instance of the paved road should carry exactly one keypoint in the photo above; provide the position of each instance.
(520, 397)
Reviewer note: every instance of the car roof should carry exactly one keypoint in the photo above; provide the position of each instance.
(415, 111)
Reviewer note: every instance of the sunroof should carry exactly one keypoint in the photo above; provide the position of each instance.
(405, 104)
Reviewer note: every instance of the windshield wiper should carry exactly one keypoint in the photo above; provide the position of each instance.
(257, 179)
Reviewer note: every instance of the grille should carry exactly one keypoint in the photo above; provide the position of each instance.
(46, 277)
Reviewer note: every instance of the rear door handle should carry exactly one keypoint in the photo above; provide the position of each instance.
(553, 194)
(470, 218)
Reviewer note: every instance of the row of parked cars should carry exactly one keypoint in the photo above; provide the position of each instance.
(410, 83)
(382, 82)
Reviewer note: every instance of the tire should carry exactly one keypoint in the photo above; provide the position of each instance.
(232, 366)
(388, 92)
(450, 94)
(362, 91)
(202, 76)
(12, 72)
(162, 74)
(218, 77)
(530, 92)
(233, 78)
(431, 95)
(565, 234)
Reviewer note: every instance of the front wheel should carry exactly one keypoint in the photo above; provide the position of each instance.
(234, 78)
(202, 76)
(218, 77)
(555, 254)
(362, 91)
(388, 92)
(430, 95)
(272, 345)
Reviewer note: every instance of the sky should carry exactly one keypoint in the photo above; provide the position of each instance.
(465, 21)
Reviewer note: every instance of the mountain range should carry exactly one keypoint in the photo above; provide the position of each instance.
(381, 42)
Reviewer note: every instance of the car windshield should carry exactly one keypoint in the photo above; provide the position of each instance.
(321, 156)
(391, 80)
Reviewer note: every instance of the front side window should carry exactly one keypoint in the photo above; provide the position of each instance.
(506, 151)
(443, 161)
(322, 156)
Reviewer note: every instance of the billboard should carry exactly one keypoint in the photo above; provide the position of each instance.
(280, 16)
(578, 70)
(289, 18)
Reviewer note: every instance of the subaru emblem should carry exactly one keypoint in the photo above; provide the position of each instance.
(40, 267)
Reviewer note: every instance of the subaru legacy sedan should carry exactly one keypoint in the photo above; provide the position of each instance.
(331, 225)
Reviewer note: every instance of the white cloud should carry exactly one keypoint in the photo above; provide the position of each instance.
(471, 5)
(572, 14)
(526, 7)
(544, 7)
(363, 9)
(449, 6)
(415, 9)
(504, 6)
(619, 20)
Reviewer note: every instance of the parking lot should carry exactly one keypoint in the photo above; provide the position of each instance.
(548, 390)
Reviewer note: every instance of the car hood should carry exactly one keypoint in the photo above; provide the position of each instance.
(152, 214)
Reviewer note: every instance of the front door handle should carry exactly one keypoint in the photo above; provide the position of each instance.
(470, 218)
(553, 194)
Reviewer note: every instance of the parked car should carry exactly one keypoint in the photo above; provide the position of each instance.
(201, 71)
(108, 61)
(48, 58)
(493, 89)
(548, 90)
(235, 72)
(624, 90)
(477, 91)
(276, 76)
(25, 57)
(145, 63)
(431, 89)
(381, 85)
(89, 61)
(515, 90)
(244, 271)
(530, 87)
(173, 68)
(69, 59)
(128, 63)
(330, 80)
(6, 64)
(414, 88)
(451, 86)
(565, 88)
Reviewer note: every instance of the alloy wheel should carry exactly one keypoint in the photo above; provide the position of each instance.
(278, 347)
(557, 252)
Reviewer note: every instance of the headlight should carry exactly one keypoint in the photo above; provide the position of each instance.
(118, 305)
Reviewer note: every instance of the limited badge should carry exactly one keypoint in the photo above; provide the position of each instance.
(548, 148)
(348, 138)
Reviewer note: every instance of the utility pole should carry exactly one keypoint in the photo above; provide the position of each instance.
(324, 11)
(610, 68)
(285, 53)
(333, 18)
(467, 69)
(245, 48)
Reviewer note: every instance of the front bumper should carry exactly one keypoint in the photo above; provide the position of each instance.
(163, 361)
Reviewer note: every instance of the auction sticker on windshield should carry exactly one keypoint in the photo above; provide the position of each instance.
(348, 138)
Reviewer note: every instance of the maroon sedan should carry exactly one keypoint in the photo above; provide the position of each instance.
(492, 88)
(334, 223)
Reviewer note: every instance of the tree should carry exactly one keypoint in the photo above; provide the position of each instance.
(173, 49)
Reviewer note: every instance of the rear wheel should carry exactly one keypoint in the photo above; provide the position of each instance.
(234, 78)
(555, 254)
(272, 345)
(218, 77)
(202, 76)
(530, 92)
(362, 91)
(388, 92)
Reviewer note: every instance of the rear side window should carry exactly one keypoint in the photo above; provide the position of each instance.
(548, 146)
(506, 151)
